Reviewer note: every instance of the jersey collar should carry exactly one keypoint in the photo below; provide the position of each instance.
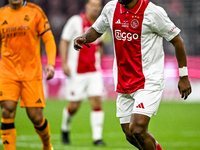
(25, 2)
(134, 10)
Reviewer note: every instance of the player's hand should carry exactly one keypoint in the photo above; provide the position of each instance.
(49, 71)
(78, 42)
(66, 69)
(184, 87)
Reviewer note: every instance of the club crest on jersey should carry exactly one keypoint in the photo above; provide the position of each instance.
(134, 23)
(26, 18)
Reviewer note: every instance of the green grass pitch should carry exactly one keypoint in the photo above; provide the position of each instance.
(176, 127)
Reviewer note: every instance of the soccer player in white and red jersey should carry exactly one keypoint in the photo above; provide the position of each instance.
(83, 71)
(138, 28)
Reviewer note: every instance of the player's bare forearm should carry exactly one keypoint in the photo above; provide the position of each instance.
(63, 49)
(88, 37)
(184, 83)
(179, 50)
(91, 35)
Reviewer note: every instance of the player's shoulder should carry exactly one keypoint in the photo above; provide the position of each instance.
(111, 5)
(74, 18)
(3, 8)
(155, 10)
(35, 8)
(112, 2)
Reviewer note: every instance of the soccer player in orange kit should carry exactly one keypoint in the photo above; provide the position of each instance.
(22, 25)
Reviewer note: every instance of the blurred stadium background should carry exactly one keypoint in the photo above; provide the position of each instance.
(180, 121)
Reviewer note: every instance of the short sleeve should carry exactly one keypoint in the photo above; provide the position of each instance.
(163, 25)
(102, 24)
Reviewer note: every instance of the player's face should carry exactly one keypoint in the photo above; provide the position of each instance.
(15, 3)
(93, 8)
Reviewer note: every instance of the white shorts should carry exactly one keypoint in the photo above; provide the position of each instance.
(84, 85)
(143, 101)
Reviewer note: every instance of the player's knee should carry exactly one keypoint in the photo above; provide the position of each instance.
(8, 112)
(137, 131)
(8, 109)
(73, 107)
(96, 106)
(5, 113)
(36, 119)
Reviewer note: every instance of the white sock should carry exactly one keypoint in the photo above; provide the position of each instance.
(96, 120)
(66, 118)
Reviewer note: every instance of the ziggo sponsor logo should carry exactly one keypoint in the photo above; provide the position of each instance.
(125, 36)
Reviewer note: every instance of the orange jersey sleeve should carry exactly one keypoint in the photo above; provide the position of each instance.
(21, 31)
(50, 46)
(47, 35)
(0, 43)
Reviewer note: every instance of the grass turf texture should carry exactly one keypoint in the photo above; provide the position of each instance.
(176, 126)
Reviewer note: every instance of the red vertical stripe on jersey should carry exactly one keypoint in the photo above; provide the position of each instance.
(127, 28)
(86, 60)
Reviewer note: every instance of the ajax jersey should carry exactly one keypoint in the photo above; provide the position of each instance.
(20, 32)
(87, 59)
(137, 35)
